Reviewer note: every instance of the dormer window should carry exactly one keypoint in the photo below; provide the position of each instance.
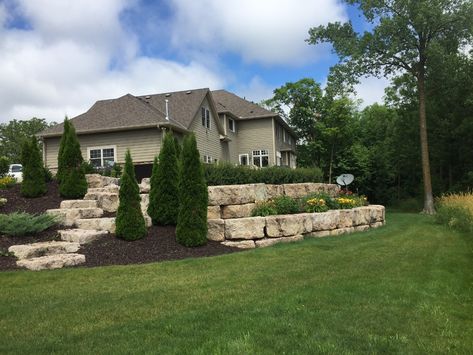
(205, 117)
(231, 125)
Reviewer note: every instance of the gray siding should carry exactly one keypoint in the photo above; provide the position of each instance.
(255, 135)
(143, 144)
(208, 140)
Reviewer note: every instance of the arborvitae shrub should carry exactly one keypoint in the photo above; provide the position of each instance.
(130, 223)
(163, 195)
(61, 168)
(72, 183)
(191, 227)
(4, 166)
(34, 182)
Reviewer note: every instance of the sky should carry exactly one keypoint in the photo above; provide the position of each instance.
(57, 57)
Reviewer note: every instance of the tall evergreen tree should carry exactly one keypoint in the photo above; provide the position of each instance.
(130, 223)
(72, 183)
(62, 144)
(34, 183)
(191, 227)
(163, 196)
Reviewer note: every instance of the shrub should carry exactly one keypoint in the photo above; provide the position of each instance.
(61, 167)
(228, 174)
(7, 182)
(130, 223)
(21, 223)
(191, 227)
(315, 204)
(456, 211)
(34, 182)
(163, 205)
(286, 205)
(264, 208)
(48, 175)
(4, 166)
(72, 181)
(3, 201)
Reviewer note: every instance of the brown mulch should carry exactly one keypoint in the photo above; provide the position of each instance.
(159, 245)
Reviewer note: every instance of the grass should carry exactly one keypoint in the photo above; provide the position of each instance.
(404, 288)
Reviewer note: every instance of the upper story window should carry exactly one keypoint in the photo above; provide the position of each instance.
(261, 158)
(101, 157)
(207, 159)
(231, 125)
(205, 117)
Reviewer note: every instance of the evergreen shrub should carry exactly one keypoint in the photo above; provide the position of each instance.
(163, 205)
(229, 174)
(34, 182)
(191, 227)
(61, 168)
(130, 223)
(22, 223)
(4, 166)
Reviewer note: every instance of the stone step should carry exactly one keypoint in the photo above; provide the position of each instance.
(68, 216)
(110, 188)
(108, 201)
(48, 262)
(66, 204)
(28, 251)
(104, 224)
(81, 236)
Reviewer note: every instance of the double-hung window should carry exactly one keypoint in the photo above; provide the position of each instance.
(260, 158)
(205, 117)
(207, 159)
(101, 157)
(243, 158)
(231, 125)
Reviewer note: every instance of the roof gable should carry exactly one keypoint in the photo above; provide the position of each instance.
(227, 102)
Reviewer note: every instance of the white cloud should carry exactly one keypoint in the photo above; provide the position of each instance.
(256, 90)
(265, 31)
(76, 53)
(371, 90)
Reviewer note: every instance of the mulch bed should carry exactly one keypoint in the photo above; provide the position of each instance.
(159, 245)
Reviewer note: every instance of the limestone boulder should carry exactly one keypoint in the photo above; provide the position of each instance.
(273, 191)
(295, 190)
(105, 224)
(288, 225)
(361, 215)
(144, 203)
(27, 251)
(232, 194)
(271, 241)
(237, 211)
(345, 218)
(325, 220)
(362, 228)
(245, 228)
(78, 204)
(377, 213)
(242, 244)
(81, 236)
(110, 188)
(341, 231)
(68, 216)
(377, 224)
(213, 212)
(108, 201)
(97, 180)
(260, 192)
(52, 261)
(216, 230)
(145, 185)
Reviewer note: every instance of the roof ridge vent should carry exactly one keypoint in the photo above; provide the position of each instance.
(167, 95)
(188, 92)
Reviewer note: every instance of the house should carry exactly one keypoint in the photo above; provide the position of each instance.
(227, 128)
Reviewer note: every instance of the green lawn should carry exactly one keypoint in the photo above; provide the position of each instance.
(404, 288)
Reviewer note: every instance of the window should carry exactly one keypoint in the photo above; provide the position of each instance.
(205, 117)
(231, 125)
(101, 157)
(243, 159)
(284, 135)
(207, 159)
(260, 158)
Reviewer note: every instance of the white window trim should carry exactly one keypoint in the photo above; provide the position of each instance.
(114, 147)
(260, 156)
(247, 159)
(207, 159)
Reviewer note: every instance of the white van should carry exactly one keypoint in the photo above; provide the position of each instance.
(16, 171)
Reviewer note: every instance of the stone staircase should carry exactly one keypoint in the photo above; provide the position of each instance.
(86, 224)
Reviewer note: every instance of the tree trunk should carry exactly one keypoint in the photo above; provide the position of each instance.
(330, 165)
(428, 197)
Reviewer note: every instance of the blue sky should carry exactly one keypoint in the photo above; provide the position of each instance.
(60, 56)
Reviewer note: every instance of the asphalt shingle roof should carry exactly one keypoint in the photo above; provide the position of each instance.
(241, 108)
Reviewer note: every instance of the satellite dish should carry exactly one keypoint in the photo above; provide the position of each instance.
(345, 179)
